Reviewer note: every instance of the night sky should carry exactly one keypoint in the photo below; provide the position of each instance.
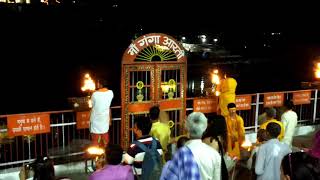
(45, 50)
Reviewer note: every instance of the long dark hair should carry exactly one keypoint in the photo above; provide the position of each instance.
(217, 130)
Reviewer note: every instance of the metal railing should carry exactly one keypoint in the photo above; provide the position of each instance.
(67, 143)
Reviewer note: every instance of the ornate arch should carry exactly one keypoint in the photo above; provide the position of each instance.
(148, 46)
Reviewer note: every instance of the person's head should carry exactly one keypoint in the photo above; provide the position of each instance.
(288, 105)
(164, 117)
(262, 135)
(315, 151)
(114, 154)
(271, 113)
(196, 124)
(232, 109)
(273, 130)
(154, 112)
(102, 83)
(43, 168)
(142, 126)
(217, 129)
(181, 141)
(300, 166)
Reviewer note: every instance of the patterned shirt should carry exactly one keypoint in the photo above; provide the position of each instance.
(183, 166)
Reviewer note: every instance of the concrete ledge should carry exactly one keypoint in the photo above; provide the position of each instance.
(74, 170)
(302, 137)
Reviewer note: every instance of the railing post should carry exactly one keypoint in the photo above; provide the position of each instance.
(29, 146)
(257, 113)
(315, 106)
(63, 140)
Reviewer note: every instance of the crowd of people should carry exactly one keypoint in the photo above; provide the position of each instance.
(209, 150)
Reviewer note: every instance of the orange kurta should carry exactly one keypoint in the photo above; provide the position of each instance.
(235, 135)
(228, 95)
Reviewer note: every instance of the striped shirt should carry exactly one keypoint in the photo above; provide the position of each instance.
(135, 154)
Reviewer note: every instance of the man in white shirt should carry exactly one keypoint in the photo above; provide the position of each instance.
(289, 120)
(100, 116)
(270, 154)
(207, 158)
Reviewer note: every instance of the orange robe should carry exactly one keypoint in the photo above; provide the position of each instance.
(228, 95)
(235, 135)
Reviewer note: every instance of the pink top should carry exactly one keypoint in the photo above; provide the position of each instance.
(113, 172)
(315, 151)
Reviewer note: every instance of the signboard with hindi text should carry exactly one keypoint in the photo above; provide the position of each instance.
(273, 99)
(205, 105)
(30, 124)
(83, 119)
(243, 102)
(301, 97)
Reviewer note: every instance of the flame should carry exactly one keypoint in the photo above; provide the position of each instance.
(89, 84)
(246, 145)
(217, 93)
(317, 73)
(94, 150)
(215, 77)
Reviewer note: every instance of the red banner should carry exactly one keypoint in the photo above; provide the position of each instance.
(19, 125)
(243, 102)
(83, 119)
(273, 99)
(302, 97)
(205, 105)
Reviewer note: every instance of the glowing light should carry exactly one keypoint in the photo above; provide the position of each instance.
(165, 88)
(202, 85)
(183, 38)
(246, 145)
(89, 84)
(215, 77)
(317, 74)
(215, 40)
(94, 150)
(317, 70)
(89, 103)
(203, 38)
(217, 93)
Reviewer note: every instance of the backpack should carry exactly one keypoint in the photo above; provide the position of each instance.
(152, 161)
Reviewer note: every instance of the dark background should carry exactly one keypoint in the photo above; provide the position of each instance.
(45, 50)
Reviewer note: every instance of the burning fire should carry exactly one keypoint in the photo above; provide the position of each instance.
(246, 145)
(215, 77)
(317, 71)
(94, 150)
(215, 80)
(89, 84)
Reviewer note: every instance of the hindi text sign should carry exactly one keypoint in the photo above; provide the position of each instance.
(301, 97)
(273, 99)
(155, 39)
(205, 105)
(19, 125)
(243, 102)
(83, 119)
